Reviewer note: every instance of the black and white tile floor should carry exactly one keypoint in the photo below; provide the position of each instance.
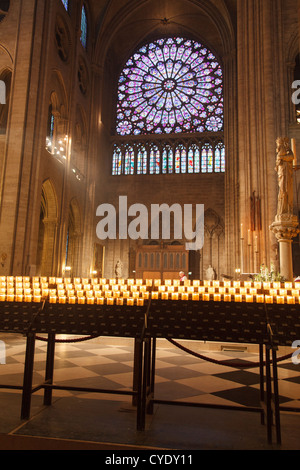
(108, 363)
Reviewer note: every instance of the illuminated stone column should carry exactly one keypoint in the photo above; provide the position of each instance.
(285, 231)
(286, 226)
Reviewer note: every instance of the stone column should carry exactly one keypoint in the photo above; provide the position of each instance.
(262, 110)
(47, 265)
(286, 226)
(285, 231)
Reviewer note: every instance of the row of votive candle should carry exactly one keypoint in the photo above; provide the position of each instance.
(130, 291)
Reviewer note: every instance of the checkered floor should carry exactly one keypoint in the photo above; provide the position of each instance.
(107, 363)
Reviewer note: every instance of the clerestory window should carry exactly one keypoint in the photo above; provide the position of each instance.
(171, 91)
(84, 27)
(66, 4)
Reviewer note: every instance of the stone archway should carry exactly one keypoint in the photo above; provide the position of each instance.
(73, 239)
(47, 231)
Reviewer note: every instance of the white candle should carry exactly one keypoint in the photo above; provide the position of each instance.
(294, 150)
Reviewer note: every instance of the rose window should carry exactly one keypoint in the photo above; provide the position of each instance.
(170, 86)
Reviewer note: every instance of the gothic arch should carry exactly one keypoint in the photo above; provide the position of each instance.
(47, 230)
(73, 238)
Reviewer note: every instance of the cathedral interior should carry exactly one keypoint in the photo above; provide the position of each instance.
(113, 109)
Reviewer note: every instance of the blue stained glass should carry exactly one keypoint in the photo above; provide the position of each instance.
(66, 4)
(117, 161)
(160, 79)
(84, 27)
(52, 126)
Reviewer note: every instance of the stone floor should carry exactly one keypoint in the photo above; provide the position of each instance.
(79, 420)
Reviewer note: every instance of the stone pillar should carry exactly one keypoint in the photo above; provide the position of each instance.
(286, 226)
(285, 230)
(47, 265)
(262, 110)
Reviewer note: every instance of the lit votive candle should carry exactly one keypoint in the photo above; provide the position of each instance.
(249, 298)
(140, 302)
(164, 295)
(2, 297)
(280, 299)
(90, 300)
(269, 299)
(217, 297)
(81, 300)
(120, 301)
(19, 298)
(291, 300)
(136, 295)
(10, 297)
(52, 299)
(154, 295)
(184, 296)
(227, 297)
(146, 295)
(100, 300)
(62, 299)
(72, 299)
(37, 298)
(237, 298)
(206, 297)
(175, 295)
(130, 301)
(260, 298)
(195, 297)
(125, 295)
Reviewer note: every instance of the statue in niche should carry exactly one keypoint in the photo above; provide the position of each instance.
(284, 169)
(210, 273)
(119, 269)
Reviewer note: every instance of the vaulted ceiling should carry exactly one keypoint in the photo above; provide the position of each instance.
(120, 26)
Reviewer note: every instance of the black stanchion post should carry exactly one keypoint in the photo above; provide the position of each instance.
(276, 395)
(28, 374)
(268, 395)
(261, 378)
(49, 369)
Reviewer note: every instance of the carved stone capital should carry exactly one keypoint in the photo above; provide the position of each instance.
(285, 229)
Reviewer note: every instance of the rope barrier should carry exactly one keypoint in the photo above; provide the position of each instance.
(249, 365)
(237, 365)
(72, 340)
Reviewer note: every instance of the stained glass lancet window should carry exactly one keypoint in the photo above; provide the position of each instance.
(171, 85)
(66, 4)
(84, 27)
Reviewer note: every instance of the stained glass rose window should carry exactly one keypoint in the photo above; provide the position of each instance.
(171, 85)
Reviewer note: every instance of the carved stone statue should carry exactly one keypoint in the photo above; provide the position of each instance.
(119, 269)
(284, 169)
(210, 273)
